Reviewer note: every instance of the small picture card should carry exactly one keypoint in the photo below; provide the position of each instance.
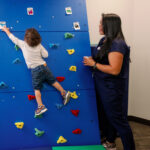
(2, 24)
(68, 10)
(76, 25)
(30, 11)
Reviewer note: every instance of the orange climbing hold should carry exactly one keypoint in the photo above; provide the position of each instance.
(75, 112)
(60, 79)
(77, 131)
(31, 97)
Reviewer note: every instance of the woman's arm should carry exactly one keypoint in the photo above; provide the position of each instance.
(114, 67)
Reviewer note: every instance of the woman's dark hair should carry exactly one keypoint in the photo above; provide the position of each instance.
(32, 37)
(112, 30)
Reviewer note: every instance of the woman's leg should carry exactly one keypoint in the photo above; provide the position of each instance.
(107, 131)
(115, 111)
(124, 130)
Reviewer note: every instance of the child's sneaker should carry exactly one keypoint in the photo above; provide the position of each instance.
(109, 146)
(66, 97)
(41, 109)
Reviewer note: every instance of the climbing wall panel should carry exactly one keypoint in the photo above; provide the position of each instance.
(50, 19)
(59, 61)
(49, 15)
(16, 107)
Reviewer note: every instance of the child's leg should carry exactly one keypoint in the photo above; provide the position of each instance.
(59, 88)
(38, 97)
(66, 95)
(52, 81)
(41, 108)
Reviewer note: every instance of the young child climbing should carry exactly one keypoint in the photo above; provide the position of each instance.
(34, 53)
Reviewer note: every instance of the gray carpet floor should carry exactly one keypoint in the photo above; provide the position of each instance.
(141, 136)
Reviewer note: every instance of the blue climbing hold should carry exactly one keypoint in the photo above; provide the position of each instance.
(54, 46)
(59, 106)
(17, 61)
(3, 85)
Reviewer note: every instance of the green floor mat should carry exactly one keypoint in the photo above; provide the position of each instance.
(89, 147)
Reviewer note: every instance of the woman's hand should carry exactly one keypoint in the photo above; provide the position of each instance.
(88, 61)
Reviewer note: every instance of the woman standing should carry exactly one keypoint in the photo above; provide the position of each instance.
(110, 62)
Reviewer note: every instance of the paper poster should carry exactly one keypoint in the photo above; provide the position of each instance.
(30, 11)
(76, 25)
(2, 24)
(68, 10)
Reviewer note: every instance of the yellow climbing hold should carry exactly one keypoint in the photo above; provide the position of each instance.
(70, 51)
(73, 68)
(74, 95)
(19, 125)
(61, 140)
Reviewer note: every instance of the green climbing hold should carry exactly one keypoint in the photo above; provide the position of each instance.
(16, 47)
(38, 116)
(89, 147)
(69, 35)
(38, 132)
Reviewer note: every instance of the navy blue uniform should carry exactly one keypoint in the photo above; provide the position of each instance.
(112, 97)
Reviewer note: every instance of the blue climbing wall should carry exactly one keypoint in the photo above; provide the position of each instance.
(51, 21)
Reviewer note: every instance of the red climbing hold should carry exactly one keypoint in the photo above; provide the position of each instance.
(77, 131)
(75, 112)
(60, 79)
(31, 97)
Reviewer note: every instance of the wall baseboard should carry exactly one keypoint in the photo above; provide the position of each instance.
(139, 120)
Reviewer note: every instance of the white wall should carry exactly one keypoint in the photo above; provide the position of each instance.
(136, 28)
(121, 7)
(140, 68)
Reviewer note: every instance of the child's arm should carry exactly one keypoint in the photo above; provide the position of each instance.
(44, 52)
(15, 40)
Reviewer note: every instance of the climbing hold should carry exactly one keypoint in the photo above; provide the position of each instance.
(30, 11)
(77, 131)
(74, 95)
(70, 51)
(3, 85)
(69, 35)
(19, 125)
(75, 112)
(68, 10)
(38, 132)
(61, 140)
(60, 79)
(54, 46)
(38, 116)
(17, 47)
(59, 106)
(73, 68)
(17, 61)
(31, 97)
